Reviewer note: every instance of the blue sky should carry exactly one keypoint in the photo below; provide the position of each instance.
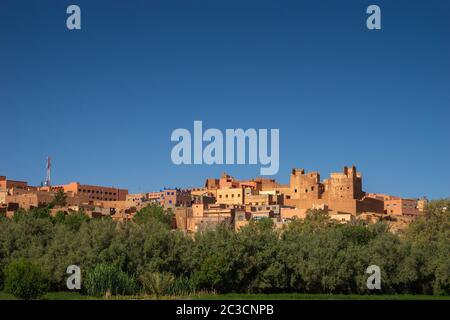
(104, 100)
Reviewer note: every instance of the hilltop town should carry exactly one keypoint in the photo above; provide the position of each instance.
(226, 200)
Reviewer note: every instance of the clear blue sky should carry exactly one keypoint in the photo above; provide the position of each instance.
(103, 101)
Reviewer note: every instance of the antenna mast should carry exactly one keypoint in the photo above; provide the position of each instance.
(49, 166)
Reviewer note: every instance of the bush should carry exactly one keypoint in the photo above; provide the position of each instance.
(157, 283)
(212, 273)
(182, 286)
(59, 217)
(25, 279)
(154, 212)
(104, 278)
(75, 220)
(1, 279)
(313, 255)
(40, 213)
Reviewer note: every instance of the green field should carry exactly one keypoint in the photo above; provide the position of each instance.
(300, 296)
(235, 296)
(52, 296)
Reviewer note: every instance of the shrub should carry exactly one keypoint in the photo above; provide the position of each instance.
(40, 213)
(312, 255)
(212, 273)
(75, 220)
(25, 279)
(59, 200)
(59, 217)
(105, 278)
(181, 286)
(154, 212)
(1, 279)
(157, 283)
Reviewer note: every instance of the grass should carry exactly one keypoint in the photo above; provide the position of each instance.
(52, 296)
(302, 296)
(239, 296)
(6, 296)
(67, 296)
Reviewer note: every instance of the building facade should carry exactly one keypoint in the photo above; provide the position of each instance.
(94, 192)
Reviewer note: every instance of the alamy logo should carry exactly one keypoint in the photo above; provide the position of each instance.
(374, 20)
(235, 151)
(73, 21)
(74, 281)
(374, 280)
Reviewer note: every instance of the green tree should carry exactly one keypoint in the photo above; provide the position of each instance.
(59, 217)
(25, 279)
(154, 212)
(74, 221)
(60, 199)
(20, 214)
(212, 273)
(40, 213)
(253, 252)
(212, 259)
(314, 255)
(428, 238)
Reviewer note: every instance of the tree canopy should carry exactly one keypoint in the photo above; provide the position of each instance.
(314, 255)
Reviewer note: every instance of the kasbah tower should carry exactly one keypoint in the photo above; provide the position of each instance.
(342, 192)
